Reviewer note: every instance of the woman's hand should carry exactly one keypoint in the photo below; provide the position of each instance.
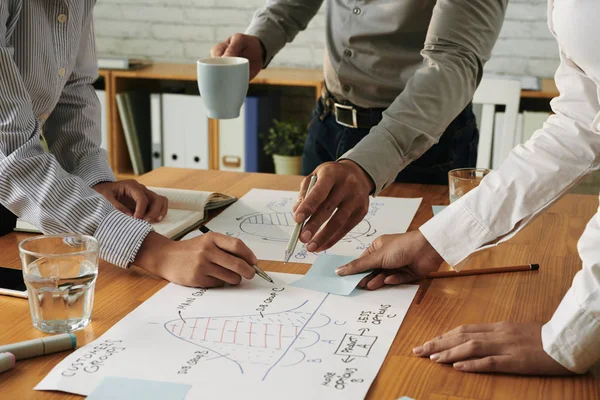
(507, 347)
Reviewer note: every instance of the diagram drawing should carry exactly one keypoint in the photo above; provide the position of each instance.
(258, 343)
(255, 341)
(276, 224)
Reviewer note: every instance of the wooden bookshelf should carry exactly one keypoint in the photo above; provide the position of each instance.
(151, 77)
(549, 91)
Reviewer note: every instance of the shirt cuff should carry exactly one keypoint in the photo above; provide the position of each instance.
(270, 36)
(455, 221)
(378, 145)
(120, 237)
(94, 169)
(571, 336)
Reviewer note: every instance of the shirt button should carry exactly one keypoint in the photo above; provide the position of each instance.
(348, 53)
(62, 18)
(61, 72)
(357, 11)
(346, 88)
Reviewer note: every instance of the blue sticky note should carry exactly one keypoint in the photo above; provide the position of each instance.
(405, 397)
(437, 209)
(117, 388)
(322, 277)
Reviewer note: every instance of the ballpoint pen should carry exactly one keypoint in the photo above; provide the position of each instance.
(298, 228)
(259, 271)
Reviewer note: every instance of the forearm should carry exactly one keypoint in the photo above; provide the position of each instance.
(533, 177)
(35, 187)
(571, 336)
(459, 42)
(279, 21)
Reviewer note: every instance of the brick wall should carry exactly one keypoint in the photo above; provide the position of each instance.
(184, 30)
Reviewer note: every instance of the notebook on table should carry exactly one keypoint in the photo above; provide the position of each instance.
(187, 210)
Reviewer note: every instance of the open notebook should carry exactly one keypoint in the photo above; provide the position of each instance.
(186, 211)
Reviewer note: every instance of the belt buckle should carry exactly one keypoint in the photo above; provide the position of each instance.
(345, 108)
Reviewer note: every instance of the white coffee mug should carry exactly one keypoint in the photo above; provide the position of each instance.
(223, 84)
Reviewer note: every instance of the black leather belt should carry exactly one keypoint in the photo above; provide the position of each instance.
(350, 115)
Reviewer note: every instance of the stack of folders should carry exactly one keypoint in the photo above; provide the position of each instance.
(121, 63)
(179, 131)
(240, 143)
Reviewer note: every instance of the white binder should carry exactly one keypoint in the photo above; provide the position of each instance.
(196, 133)
(103, 118)
(232, 143)
(174, 119)
(156, 127)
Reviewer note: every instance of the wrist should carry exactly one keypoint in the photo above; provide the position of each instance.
(427, 250)
(150, 255)
(362, 175)
(263, 50)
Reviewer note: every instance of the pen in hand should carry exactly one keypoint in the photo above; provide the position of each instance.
(298, 228)
(259, 271)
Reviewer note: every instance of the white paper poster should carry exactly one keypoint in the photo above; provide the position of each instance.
(254, 341)
(263, 219)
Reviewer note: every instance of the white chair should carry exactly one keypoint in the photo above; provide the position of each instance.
(489, 94)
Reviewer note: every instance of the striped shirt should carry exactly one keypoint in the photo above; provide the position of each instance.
(47, 67)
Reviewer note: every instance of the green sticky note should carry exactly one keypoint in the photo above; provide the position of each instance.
(322, 277)
(118, 388)
(437, 209)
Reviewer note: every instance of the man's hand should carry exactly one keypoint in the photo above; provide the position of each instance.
(134, 199)
(342, 190)
(394, 259)
(507, 347)
(240, 45)
(210, 260)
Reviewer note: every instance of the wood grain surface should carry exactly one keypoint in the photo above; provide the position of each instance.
(524, 296)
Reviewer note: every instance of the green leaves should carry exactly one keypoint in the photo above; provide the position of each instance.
(285, 138)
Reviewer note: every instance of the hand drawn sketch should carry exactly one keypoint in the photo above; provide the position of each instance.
(253, 341)
(264, 220)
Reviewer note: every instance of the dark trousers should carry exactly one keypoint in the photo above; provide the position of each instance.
(327, 141)
(7, 221)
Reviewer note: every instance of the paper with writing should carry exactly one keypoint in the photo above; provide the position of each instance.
(254, 341)
(263, 219)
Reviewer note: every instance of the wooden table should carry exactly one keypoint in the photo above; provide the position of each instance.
(528, 296)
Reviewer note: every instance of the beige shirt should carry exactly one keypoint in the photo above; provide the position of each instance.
(420, 59)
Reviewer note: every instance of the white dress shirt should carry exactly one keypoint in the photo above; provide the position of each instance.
(538, 173)
(47, 67)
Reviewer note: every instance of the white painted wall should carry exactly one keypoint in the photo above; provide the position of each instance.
(184, 30)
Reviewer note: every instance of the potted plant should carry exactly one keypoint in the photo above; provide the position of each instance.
(285, 142)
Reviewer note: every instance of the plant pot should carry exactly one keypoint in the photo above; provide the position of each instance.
(287, 165)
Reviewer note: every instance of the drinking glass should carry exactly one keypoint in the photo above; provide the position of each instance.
(462, 180)
(60, 274)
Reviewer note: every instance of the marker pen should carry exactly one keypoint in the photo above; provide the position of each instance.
(42, 346)
(7, 361)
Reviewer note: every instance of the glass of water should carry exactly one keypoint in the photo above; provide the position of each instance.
(60, 274)
(463, 180)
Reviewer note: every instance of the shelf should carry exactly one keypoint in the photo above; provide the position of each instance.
(549, 91)
(187, 72)
(117, 81)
